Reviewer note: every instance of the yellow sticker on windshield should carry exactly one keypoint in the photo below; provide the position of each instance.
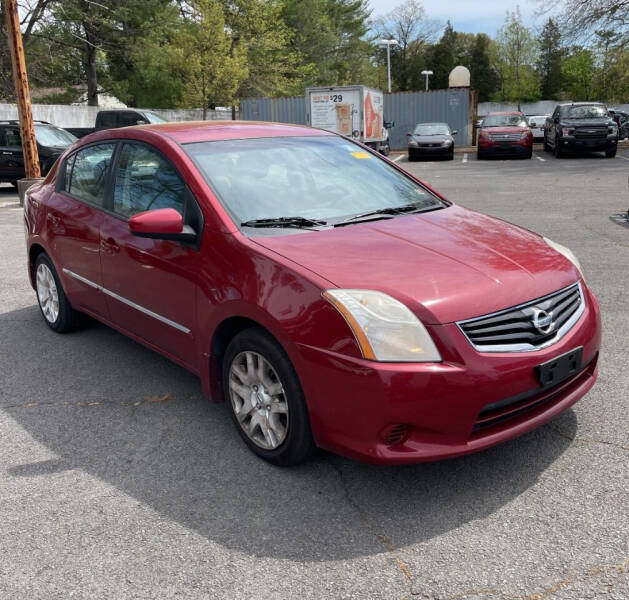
(360, 154)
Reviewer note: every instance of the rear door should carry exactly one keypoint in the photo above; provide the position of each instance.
(150, 284)
(11, 154)
(73, 220)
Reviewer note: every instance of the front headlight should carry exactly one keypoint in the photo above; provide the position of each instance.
(566, 252)
(384, 328)
(447, 142)
(612, 130)
(412, 143)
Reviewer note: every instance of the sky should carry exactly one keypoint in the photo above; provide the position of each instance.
(472, 16)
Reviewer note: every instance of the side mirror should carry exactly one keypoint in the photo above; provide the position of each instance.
(409, 134)
(141, 122)
(388, 124)
(161, 224)
(455, 131)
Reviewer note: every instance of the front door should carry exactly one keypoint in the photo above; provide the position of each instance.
(150, 284)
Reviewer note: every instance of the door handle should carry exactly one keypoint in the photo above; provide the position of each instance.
(109, 246)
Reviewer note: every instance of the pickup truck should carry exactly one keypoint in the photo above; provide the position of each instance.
(110, 119)
(581, 127)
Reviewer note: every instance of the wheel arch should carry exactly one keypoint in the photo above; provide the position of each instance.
(226, 330)
(33, 252)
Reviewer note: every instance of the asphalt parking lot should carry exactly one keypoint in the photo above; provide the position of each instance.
(117, 480)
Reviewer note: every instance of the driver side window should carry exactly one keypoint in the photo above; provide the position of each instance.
(145, 180)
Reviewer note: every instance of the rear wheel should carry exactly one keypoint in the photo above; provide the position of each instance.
(265, 398)
(611, 153)
(53, 303)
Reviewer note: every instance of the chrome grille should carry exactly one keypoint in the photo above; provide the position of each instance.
(591, 132)
(505, 137)
(528, 326)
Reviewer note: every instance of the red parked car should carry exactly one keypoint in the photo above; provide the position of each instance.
(329, 297)
(505, 134)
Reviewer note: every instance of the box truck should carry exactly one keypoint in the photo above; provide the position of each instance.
(356, 111)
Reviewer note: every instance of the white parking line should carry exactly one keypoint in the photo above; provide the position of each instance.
(623, 157)
(400, 157)
(465, 157)
(540, 158)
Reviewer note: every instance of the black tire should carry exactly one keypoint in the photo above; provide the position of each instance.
(529, 154)
(67, 319)
(298, 444)
(385, 150)
(546, 146)
(451, 155)
(480, 155)
(610, 153)
(411, 157)
(557, 150)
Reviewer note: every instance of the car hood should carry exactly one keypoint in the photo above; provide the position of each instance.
(431, 139)
(447, 265)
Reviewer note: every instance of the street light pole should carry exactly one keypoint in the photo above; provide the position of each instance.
(427, 74)
(22, 93)
(388, 44)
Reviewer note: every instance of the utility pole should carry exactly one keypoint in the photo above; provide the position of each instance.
(22, 93)
(388, 44)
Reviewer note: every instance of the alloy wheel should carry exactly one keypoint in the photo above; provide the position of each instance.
(258, 400)
(47, 293)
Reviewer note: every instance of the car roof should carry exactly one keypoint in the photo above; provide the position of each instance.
(185, 132)
(497, 114)
(581, 104)
(417, 125)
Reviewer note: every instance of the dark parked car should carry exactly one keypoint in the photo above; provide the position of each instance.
(331, 298)
(431, 139)
(579, 127)
(505, 134)
(622, 120)
(111, 119)
(51, 142)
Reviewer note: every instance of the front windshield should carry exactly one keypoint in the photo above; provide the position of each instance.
(504, 121)
(48, 135)
(316, 177)
(153, 118)
(432, 129)
(584, 112)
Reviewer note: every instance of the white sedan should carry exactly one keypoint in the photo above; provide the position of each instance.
(536, 123)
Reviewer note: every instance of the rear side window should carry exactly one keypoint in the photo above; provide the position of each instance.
(86, 173)
(11, 137)
(145, 180)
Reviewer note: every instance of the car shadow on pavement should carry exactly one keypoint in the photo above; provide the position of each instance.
(107, 407)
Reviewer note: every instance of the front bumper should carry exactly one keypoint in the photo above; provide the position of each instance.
(519, 148)
(430, 150)
(354, 403)
(573, 144)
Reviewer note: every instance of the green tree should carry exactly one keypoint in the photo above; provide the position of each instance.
(578, 72)
(549, 62)
(484, 77)
(517, 53)
(443, 57)
(215, 66)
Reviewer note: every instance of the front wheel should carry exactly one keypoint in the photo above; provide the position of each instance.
(558, 151)
(480, 155)
(611, 153)
(53, 303)
(265, 398)
(546, 146)
(529, 154)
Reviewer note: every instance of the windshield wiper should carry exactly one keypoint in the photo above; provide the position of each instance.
(386, 213)
(299, 222)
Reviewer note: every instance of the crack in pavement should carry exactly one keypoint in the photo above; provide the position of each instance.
(597, 571)
(147, 400)
(587, 440)
(384, 540)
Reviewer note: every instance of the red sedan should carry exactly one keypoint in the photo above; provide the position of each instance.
(329, 297)
(505, 134)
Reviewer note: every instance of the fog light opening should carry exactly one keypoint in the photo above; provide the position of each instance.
(396, 434)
